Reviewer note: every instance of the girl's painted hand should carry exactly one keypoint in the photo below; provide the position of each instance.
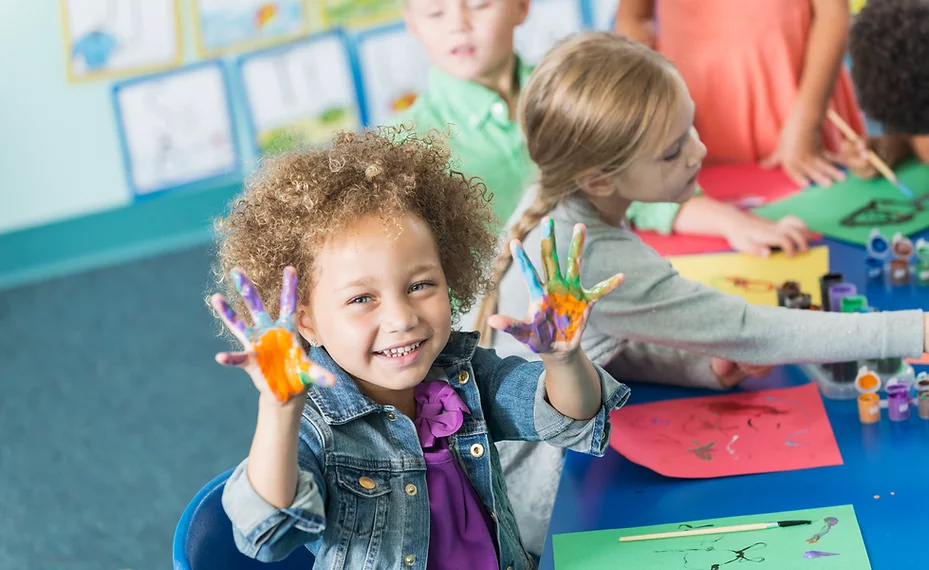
(559, 308)
(272, 354)
(756, 236)
(800, 155)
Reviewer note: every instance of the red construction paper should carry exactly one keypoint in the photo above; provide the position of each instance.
(728, 434)
(922, 360)
(746, 186)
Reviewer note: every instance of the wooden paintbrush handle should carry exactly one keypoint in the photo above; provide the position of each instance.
(851, 135)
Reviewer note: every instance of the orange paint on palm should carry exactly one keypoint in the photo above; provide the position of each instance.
(281, 362)
(568, 312)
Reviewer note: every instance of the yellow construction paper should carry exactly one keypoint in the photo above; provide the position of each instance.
(755, 278)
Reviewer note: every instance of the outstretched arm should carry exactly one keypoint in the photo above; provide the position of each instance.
(559, 310)
(635, 20)
(275, 361)
(799, 151)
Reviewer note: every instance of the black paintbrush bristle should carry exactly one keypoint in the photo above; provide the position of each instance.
(792, 523)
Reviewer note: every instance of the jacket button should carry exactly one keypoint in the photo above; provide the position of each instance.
(411, 489)
(493, 516)
(477, 450)
(463, 377)
(367, 482)
(391, 416)
(409, 560)
(509, 568)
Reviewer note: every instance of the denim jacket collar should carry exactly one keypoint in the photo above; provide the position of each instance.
(344, 402)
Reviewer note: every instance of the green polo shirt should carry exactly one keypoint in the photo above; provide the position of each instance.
(487, 143)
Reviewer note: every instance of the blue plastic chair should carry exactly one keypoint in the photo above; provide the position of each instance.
(203, 538)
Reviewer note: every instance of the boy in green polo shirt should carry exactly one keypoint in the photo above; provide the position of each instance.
(474, 85)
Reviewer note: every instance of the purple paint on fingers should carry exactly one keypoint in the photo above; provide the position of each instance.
(818, 554)
(250, 295)
(231, 317)
(288, 294)
(235, 359)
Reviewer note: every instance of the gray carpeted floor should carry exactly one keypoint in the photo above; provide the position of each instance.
(112, 413)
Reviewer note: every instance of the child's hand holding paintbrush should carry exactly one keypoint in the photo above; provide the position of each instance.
(867, 162)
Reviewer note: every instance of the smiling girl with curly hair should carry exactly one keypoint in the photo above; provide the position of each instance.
(387, 459)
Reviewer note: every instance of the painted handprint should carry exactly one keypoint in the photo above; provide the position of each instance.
(559, 307)
(272, 345)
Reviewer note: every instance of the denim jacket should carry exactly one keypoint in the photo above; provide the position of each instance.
(361, 499)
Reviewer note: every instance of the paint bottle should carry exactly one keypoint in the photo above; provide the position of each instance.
(922, 395)
(899, 271)
(877, 251)
(825, 282)
(922, 262)
(902, 248)
(869, 403)
(922, 382)
(889, 365)
(788, 290)
(844, 372)
(801, 301)
(922, 405)
(869, 408)
(854, 304)
(838, 292)
(898, 402)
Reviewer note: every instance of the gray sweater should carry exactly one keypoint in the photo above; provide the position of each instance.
(661, 327)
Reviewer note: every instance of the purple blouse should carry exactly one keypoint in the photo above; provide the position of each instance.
(461, 532)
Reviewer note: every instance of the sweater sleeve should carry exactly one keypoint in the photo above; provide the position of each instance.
(656, 305)
(649, 362)
(657, 216)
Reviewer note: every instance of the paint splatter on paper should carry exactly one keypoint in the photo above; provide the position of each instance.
(728, 434)
(828, 523)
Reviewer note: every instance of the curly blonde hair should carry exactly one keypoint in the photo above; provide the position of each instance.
(294, 202)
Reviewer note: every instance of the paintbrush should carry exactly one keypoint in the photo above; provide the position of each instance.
(712, 530)
(873, 158)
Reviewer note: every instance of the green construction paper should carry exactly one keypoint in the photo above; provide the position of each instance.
(781, 548)
(823, 208)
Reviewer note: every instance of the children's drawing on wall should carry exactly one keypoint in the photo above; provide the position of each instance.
(176, 128)
(728, 434)
(300, 94)
(224, 25)
(394, 70)
(831, 541)
(110, 38)
(548, 22)
(352, 13)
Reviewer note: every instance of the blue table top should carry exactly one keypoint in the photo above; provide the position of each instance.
(888, 460)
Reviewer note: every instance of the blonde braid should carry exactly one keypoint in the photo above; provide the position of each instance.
(529, 220)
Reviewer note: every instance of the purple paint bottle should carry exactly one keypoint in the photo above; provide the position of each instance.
(838, 292)
(898, 402)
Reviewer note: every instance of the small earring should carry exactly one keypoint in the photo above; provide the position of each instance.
(314, 343)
